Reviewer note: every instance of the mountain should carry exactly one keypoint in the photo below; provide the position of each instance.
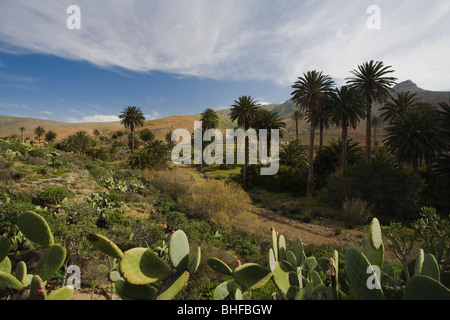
(427, 96)
(160, 127)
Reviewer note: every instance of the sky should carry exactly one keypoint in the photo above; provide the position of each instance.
(183, 56)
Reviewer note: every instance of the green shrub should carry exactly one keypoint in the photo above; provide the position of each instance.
(37, 152)
(287, 179)
(52, 195)
(176, 220)
(393, 191)
(247, 249)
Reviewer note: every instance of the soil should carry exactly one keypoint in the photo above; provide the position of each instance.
(322, 232)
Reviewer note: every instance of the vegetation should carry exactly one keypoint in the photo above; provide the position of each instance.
(123, 206)
(311, 94)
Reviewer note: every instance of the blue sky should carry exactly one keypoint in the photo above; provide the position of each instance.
(180, 57)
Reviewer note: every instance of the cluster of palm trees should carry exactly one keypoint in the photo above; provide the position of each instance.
(415, 129)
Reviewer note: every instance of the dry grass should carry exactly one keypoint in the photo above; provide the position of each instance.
(214, 201)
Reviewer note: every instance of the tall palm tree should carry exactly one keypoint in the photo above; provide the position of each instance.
(210, 119)
(22, 130)
(416, 137)
(39, 131)
(397, 104)
(297, 116)
(346, 109)
(246, 111)
(324, 119)
(376, 122)
(445, 119)
(311, 94)
(132, 117)
(372, 81)
(270, 120)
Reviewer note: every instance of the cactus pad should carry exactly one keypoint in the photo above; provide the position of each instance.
(50, 262)
(35, 228)
(176, 284)
(219, 266)
(179, 250)
(5, 246)
(140, 266)
(251, 276)
(64, 293)
(8, 284)
(105, 245)
(425, 288)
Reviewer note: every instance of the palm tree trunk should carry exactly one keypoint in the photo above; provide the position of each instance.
(132, 139)
(296, 130)
(368, 132)
(344, 149)
(375, 137)
(310, 183)
(246, 161)
(321, 135)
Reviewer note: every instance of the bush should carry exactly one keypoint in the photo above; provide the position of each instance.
(357, 211)
(220, 204)
(176, 220)
(287, 179)
(216, 202)
(52, 195)
(393, 191)
(247, 249)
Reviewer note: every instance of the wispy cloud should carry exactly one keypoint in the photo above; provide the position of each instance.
(97, 118)
(152, 115)
(233, 39)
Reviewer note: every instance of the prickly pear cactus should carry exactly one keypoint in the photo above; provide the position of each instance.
(143, 275)
(35, 228)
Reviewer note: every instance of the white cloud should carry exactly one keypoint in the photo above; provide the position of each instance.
(152, 115)
(234, 39)
(95, 118)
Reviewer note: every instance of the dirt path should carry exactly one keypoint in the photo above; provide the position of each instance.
(311, 234)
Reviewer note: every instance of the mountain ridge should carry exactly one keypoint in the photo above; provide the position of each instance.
(10, 125)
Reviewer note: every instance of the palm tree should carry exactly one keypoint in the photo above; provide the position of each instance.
(50, 136)
(293, 155)
(416, 137)
(311, 95)
(132, 117)
(376, 122)
(445, 119)
(398, 104)
(346, 109)
(210, 119)
(39, 131)
(324, 119)
(22, 130)
(270, 120)
(372, 82)
(246, 111)
(297, 116)
(82, 141)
